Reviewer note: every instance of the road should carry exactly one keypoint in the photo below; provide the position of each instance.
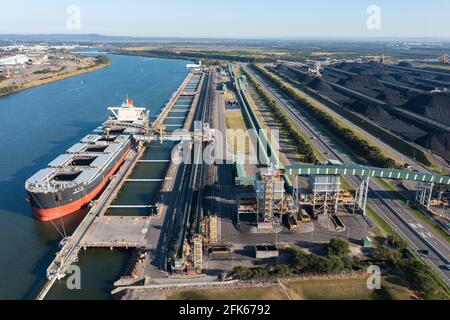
(418, 235)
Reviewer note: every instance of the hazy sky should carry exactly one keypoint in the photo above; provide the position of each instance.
(230, 18)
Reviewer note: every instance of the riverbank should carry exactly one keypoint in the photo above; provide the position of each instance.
(56, 77)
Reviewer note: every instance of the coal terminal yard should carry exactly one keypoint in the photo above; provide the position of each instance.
(412, 103)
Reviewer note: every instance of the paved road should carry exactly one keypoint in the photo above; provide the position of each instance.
(416, 233)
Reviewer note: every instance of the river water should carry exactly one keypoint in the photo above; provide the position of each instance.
(38, 124)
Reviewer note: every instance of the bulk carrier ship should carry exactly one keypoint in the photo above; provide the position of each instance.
(77, 177)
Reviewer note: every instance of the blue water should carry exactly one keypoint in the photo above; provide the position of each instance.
(38, 124)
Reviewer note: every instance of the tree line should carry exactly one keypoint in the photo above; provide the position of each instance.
(393, 258)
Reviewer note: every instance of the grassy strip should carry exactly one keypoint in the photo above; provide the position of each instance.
(383, 225)
(360, 146)
(264, 293)
(310, 155)
(347, 289)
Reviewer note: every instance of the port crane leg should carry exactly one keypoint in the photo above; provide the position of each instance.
(424, 194)
(361, 195)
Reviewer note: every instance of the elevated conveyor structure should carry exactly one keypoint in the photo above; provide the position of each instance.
(364, 171)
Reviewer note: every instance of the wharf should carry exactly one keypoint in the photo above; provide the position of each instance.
(117, 232)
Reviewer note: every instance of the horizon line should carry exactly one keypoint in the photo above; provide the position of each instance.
(286, 38)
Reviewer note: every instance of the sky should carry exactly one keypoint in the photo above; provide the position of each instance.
(229, 18)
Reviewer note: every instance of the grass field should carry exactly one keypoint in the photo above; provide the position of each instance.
(235, 121)
(321, 289)
(266, 293)
(347, 289)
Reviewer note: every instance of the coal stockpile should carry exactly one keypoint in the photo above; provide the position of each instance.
(325, 89)
(360, 71)
(369, 110)
(320, 85)
(434, 105)
(302, 77)
(404, 77)
(362, 81)
(405, 64)
(393, 97)
(384, 119)
(387, 78)
(368, 81)
(439, 143)
(423, 87)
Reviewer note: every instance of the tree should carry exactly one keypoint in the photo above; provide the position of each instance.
(336, 264)
(301, 261)
(282, 270)
(242, 273)
(318, 264)
(338, 247)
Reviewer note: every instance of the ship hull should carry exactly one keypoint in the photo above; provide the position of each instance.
(51, 206)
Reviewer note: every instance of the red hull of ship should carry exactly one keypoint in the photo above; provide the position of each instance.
(50, 214)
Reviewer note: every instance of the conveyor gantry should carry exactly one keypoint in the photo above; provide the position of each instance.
(157, 132)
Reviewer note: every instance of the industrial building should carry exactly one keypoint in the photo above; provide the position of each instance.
(15, 60)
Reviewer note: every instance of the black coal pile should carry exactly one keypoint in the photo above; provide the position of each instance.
(303, 78)
(324, 88)
(431, 105)
(369, 110)
(359, 70)
(388, 78)
(404, 77)
(362, 81)
(405, 64)
(424, 87)
(332, 77)
(392, 97)
(437, 142)
(320, 85)
(443, 78)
